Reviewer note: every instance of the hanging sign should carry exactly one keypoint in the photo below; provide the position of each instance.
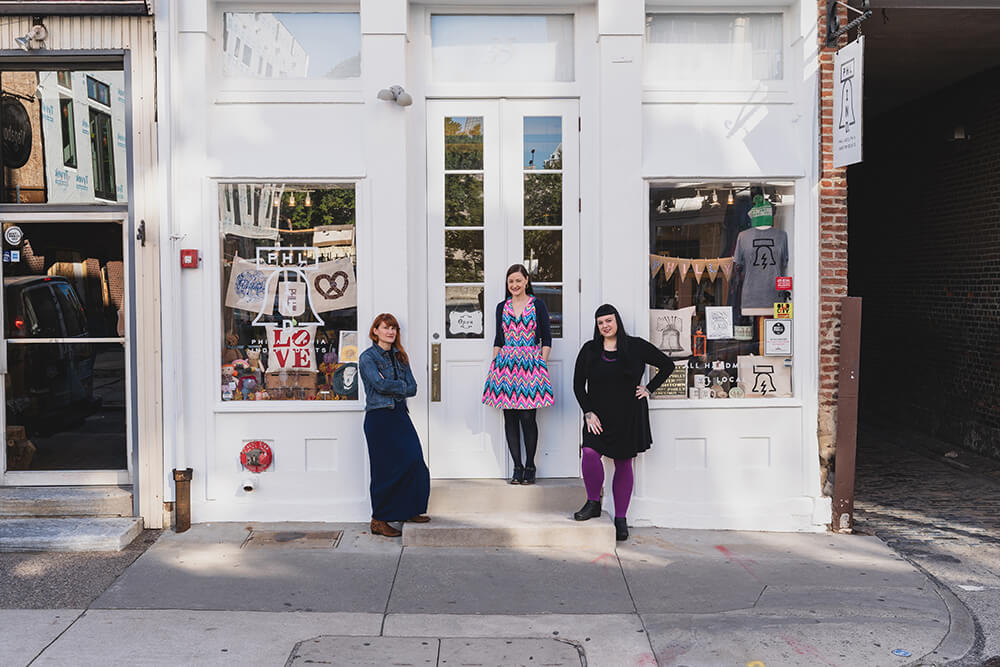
(783, 310)
(16, 136)
(848, 76)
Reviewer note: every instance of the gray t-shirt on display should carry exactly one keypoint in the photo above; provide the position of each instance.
(762, 255)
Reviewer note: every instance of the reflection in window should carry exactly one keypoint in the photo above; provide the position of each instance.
(289, 292)
(68, 131)
(103, 154)
(716, 250)
(463, 256)
(543, 142)
(292, 45)
(463, 200)
(543, 200)
(700, 47)
(543, 254)
(66, 138)
(463, 142)
(532, 47)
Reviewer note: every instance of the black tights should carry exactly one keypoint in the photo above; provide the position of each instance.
(515, 421)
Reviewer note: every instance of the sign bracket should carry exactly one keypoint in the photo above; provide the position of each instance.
(833, 28)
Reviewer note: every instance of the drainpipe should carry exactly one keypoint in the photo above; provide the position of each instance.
(170, 297)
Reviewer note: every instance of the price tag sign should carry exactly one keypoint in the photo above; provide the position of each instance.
(783, 283)
(783, 311)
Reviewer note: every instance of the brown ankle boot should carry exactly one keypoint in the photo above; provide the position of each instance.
(420, 518)
(379, 527)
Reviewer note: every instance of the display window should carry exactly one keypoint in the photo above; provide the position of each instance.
(289, 292)
(720, 287)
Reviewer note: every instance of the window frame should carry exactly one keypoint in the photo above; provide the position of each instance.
(234, 89)
(214, 283)
(724, 90)
(802, 250)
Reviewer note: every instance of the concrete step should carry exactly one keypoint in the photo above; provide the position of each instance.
(53, 501)
(489, 496)
(76, 534)
(512, 529)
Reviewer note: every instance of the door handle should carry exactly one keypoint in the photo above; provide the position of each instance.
(435, 372)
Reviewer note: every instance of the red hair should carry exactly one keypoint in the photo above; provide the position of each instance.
(390, 319)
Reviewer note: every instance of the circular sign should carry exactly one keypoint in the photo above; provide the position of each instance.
(16, 133)
(778, 328)
(736, 392)
(256, 456)
(13, 235)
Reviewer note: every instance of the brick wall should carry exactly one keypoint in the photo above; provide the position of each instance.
(833, 254)
(925, 255)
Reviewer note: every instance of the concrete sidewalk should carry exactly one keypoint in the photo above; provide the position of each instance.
(667, 597)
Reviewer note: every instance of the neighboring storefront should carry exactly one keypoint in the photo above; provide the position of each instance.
(653, 156)
(78, 197)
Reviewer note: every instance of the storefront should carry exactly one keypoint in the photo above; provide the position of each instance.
(81, 309)
(652, 156)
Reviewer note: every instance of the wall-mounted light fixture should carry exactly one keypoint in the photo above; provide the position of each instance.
(396, 94)
(34, 38)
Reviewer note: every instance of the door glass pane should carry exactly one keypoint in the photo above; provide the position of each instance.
(66, 406)
(542, 142)
(463, 256)
(551, 296)
(463, 311)
(543, 254)
(543, 200)
(286, 45)
(463, 200)
(64, 137)
(463, 142)
(502, 48)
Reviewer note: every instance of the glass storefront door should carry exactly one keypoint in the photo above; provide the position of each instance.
(503, 186)
(66, 362)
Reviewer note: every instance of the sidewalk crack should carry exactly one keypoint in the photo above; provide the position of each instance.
(56, 638)
(388, 598)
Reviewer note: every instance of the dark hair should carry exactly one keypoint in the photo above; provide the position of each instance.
(388, 318)
(597, 343)
(518, 268)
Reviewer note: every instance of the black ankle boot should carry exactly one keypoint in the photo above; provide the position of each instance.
(529, 475)
(590, 510)
(621, 529)
(518, 476)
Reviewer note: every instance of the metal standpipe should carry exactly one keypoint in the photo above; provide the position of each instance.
(182, 499)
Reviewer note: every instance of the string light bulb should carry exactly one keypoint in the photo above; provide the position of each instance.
(730, 200)
(291, 199)
(715, 198)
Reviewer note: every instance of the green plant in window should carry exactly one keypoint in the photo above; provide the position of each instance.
(327, 207)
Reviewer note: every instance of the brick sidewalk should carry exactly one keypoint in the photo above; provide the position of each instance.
(941, 512)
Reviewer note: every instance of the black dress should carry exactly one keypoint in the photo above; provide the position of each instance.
(605, 382)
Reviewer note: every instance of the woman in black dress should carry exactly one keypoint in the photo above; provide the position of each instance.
(608, 386)
(401, 483)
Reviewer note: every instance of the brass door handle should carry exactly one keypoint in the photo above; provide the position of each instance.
(436, 372)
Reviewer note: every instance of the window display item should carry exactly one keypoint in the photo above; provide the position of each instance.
(345, 380)
(332, 286)
(762, 213)
(699, 342)
(777, 338)
(348, 348)
(762, 255)
(291, 348)
(719, 322)
(761, 377)
(670, 331)
(249, 288)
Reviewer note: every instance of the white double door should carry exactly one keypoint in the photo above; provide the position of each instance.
(503, 189)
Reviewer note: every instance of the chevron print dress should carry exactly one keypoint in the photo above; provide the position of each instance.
(518, 379)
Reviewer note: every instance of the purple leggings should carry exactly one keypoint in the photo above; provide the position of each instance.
(621, 485)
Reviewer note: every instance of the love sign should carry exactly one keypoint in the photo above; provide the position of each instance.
(291, 348)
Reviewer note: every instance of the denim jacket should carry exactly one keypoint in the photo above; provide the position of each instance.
(384, 385)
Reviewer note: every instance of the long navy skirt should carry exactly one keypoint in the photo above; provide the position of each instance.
(401, 482)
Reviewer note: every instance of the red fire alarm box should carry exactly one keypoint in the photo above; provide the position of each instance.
(189, 259)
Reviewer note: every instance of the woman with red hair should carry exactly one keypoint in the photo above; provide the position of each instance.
(400, 481)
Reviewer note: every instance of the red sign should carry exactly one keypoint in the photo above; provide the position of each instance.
(292, 348)
(783, 283)
(256, 456)
(189, 259)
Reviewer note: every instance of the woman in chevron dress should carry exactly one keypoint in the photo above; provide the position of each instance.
(518, 380)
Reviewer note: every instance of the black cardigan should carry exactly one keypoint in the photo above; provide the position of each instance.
(543, 330)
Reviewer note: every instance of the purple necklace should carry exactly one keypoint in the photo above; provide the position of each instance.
(604, 354)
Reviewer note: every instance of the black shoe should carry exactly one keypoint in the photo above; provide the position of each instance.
(590, 510)
(621, 529)
(529, 476)
(518, 476)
